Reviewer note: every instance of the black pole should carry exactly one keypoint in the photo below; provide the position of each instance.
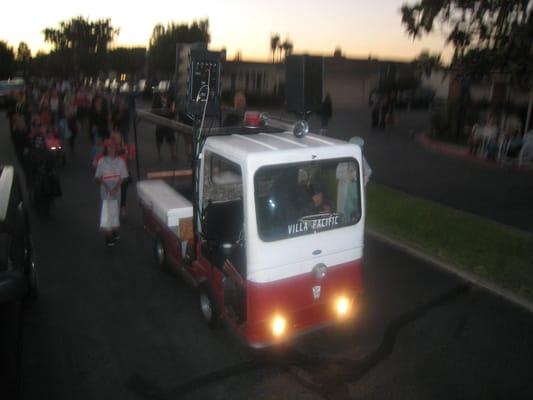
(195, 167)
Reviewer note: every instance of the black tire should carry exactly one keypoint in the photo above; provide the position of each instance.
(160, 252)
(208, 307)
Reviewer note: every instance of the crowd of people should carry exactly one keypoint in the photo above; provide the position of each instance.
(63, 110)
(45, 120)
(490, 140)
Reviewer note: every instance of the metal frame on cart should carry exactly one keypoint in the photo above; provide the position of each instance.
(198, 140)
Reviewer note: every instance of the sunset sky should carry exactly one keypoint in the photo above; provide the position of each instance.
(359, 27)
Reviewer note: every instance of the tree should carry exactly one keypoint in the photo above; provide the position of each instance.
(38, 64)
(425, 63)
(274, 43)
(127, 60)
(287, 47)
(7, 60)
(82, 43)
(337, 52)
(23, 56)
(488, 37)
(498, 32)
(53, 64)
(162, 50)
(23, 53)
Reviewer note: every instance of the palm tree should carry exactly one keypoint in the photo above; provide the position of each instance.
(274, 42)
(287, 47)
(290, 47)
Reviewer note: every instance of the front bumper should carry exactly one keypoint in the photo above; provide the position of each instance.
(304, 302)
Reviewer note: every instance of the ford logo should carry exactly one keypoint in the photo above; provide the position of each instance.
(316, 292)
(317, 252)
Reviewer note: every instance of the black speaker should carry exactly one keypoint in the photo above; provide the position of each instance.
(204, 72)
(303, 83)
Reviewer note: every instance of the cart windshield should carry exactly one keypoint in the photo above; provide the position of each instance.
(305, 198)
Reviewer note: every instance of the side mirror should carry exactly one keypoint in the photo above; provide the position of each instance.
(300, 129)
(12, 286)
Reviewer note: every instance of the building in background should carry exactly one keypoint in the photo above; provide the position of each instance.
(253, 77)
(351, 81)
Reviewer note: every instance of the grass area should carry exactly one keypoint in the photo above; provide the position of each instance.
(487, 249)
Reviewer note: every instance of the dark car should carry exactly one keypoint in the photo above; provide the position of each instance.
(7, 88)
(18, 276)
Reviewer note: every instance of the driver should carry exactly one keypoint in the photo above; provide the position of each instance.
(319, 203)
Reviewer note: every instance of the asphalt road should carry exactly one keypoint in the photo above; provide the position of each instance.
(110, 325)
(400, 162)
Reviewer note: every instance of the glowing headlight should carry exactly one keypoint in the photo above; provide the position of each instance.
(278, 325)
(342, 306)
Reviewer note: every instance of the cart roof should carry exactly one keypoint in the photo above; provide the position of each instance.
(274, 145)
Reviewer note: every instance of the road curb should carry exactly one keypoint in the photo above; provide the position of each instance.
(444, 148)
(462, 153)
(505, 294)
(455, 151)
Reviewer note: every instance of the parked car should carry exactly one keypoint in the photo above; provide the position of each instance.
(162, 87)
(114, 85)
(125, 87)
(144, 88)
(9, 86)
(18, 275)
(141, 85)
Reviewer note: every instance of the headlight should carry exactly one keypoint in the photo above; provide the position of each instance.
(343, 306)
(279, 324)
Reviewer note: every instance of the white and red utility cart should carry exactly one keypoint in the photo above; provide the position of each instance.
(273, 236)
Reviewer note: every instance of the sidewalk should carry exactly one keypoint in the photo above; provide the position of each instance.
(461, 152)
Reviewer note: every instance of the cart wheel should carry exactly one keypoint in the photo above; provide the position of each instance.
(160, 253)
(208, 307)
